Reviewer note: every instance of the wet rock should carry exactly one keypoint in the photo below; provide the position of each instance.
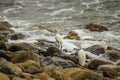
(94, 64)
(96, 49)
(21, 46)
(29, 66)
(5, 23)
(4, 54)
(9, 68)
(111, 66)
(63, 62)
(111, 71)
(72, 35)
(96, 27)
(5, 28)
(48, 61)
(112, 54)
(22, 56)
(16, 36)
(2, 38)
(3, 45)
(3, 76)
(51, 51)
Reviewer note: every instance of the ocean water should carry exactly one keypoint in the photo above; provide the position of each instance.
(65, 16)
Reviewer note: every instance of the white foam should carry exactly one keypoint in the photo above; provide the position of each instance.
(10, 11)
(70, 47)
(62, 10)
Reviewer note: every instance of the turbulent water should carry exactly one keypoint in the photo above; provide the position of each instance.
(64, 16)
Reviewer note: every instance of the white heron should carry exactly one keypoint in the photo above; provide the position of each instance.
(58, 38)
(81, 57)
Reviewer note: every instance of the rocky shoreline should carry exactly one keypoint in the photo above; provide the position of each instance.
(24, 61)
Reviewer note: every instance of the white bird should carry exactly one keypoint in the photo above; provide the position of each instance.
(82, 57)
(58, 38)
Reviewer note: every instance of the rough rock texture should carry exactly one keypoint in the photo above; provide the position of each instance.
(96, 49)
(9, 68)
(3, 45)
(96, 27)
(22, 56)
(16, 36)
(29, 66)
(21, 46)
(5, 28)
(112, 54)
(4, 76)
(94, 64)
(72, 35)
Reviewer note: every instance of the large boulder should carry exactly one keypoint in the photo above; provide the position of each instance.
(9, 68)
(96, 49)
(3, 76)
(94, 64)
(96, 27)
(72, 35)
(109, 70)
(21, 46)
(29, 66)
(22, 56)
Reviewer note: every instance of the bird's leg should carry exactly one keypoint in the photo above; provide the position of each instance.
(60, 46)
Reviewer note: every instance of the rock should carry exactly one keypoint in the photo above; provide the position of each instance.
(3, 45)
(44, 76)
(18, 78)
(2, 38)
(3, 76)
(112, 54)
(33, 69)
(4, 54)
(110, 71)
(63, 62)
(96, 49)
(96, 27)
(16, 36)
(47, 69)
(82, 75)
(27, 76)
(105, 78)
(29, 66)
(72, 35)
(22, 56)
(9, 68)
(118, 63)
(50, 52)
(58, 75)
(111, 66)
(5, 23)
(94, 64)
(5, 28)
(21, 46)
